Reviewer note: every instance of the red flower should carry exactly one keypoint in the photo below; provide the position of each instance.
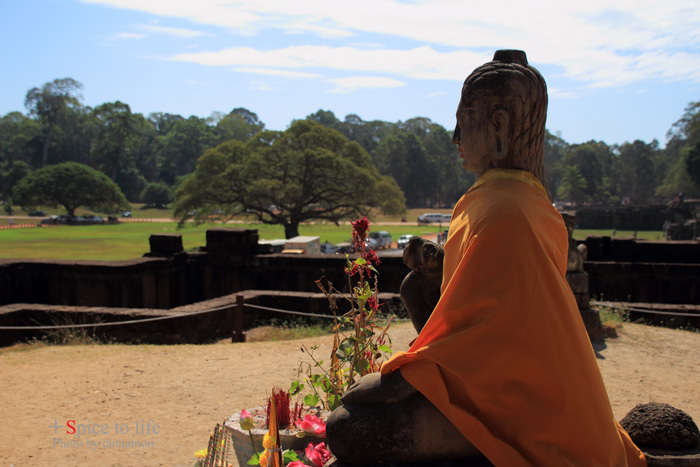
(298, 464)
(318, 454)
(313, 425)
(371, 257)
(373, 303)
(360, 228)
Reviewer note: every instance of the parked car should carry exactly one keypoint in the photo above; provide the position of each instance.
(37, 213)
(382, 239)
(126, 213)
(430, 217)
(345, 247)
(403, 240)
(91, 219)
(328, 248)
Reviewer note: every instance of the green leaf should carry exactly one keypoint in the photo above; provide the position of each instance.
(333, 401)
(315, 380)
(385, 348)
(360, 261)
(365, 293)
(326, 386)
(289, 456)
(311, 400)
(295, 388)
(255, 460)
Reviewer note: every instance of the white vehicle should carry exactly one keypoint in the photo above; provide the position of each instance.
(429, 218)
(381, 239)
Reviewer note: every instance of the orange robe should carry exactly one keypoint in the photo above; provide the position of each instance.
(505, 355)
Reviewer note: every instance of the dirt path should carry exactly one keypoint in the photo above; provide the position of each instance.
(177, 394)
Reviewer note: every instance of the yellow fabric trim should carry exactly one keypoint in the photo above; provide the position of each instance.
(510, 174)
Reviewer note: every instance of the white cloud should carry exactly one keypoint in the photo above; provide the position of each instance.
(129, 35)
(562, 93)
(348, 85)
(595, 42)
(177, 32)
(420, 63)
(261, 86)
(276, 72)
(436, 94)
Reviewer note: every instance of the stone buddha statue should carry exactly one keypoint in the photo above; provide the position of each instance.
(500, 124)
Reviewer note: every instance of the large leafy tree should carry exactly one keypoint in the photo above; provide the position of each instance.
(70, 185)
(117, 137)
(306, 172)
(49, 104)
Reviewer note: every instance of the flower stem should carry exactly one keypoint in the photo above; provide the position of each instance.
(252, 442)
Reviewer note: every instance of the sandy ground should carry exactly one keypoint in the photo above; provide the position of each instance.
(170, 397)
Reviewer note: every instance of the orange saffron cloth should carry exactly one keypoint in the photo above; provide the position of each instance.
(505, 354)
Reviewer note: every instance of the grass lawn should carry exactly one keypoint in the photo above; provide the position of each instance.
(650, 235)
(130, 240)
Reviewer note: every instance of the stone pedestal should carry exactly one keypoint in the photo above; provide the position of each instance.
(165, 245)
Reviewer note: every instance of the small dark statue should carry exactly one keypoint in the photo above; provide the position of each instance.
(420, 289)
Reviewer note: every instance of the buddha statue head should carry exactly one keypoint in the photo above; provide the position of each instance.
(501, 116)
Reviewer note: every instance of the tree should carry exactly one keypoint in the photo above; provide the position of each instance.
(70, 185)
(634, 170)
(16, 172)
(157, 194)
(184, 143)
(306, 172)
(573, 185)
(49, 104)
(692, 163)
(240, 124)
(584, 159)
(679, 176)
(17, 136)
(117, 137)
(402, 156)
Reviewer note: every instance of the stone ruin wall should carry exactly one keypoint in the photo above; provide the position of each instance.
(168, 278)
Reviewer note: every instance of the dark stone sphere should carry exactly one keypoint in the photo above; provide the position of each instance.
(661, 426)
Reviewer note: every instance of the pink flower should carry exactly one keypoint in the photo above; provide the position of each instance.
(318, 454)
(247, 422)
(298, 464)
(313, 425)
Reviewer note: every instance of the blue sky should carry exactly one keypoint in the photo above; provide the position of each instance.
(614, 73)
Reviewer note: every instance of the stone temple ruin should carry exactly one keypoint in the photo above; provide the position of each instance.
(168, 281)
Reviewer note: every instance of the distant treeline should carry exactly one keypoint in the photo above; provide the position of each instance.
(135, 150)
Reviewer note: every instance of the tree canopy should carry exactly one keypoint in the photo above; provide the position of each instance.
(70, 185)
(417, 153)
(306, 172)
(157, 194)
(50, 104)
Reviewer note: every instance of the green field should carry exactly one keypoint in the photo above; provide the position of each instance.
(130, 240)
